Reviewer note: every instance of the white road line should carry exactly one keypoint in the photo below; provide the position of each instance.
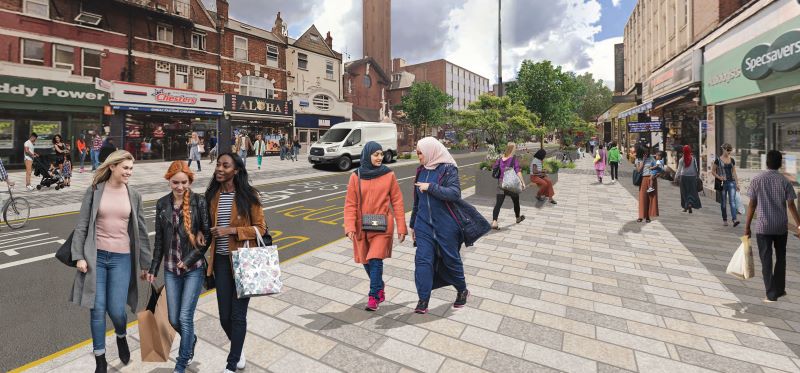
(5, 242)
(13, 251)
(26, 261)
(13, 233)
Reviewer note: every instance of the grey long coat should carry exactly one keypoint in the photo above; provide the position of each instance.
(84, 247)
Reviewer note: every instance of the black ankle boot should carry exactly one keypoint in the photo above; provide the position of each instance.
(124, 351)
(102, 365)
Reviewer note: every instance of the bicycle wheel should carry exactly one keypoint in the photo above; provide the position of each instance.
(16, 212)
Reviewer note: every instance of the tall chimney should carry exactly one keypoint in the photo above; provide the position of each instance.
(329, 40)
(278, 28)
(222, 12)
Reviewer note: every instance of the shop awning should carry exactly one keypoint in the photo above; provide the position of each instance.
(672, 97)
(256, 116)
(165, 109)
(636, 110)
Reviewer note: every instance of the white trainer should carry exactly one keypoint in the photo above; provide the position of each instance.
(242, 362)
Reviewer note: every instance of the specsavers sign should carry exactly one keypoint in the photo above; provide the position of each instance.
(48, 92)
(766, 63)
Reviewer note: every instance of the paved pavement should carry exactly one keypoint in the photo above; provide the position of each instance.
(577, 287)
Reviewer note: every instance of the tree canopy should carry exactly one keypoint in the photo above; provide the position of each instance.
(501, 119)
(425, 105)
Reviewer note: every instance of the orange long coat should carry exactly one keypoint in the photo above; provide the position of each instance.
(378, 195)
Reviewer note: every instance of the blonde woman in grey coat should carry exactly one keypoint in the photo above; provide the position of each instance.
(110, 239)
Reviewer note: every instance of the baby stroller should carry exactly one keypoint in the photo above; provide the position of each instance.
(50, 176)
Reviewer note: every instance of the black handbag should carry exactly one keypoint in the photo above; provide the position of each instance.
(637, 177)
(370, 222)
(496, 172)
(64, 252)
(208, 281)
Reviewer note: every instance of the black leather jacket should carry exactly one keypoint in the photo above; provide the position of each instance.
(164, 231)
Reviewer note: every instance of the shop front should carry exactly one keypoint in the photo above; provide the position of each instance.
(47, 108)
(631, 140)
(752, 86)
(156, 123)
(315, 112)
(259, 116)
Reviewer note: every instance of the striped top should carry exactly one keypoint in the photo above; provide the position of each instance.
(224, 220)
(770, 190)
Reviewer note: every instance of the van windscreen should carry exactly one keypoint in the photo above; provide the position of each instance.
(335, 135)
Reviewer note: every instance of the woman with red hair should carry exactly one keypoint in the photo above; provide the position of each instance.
(182, 236)
(687, 174)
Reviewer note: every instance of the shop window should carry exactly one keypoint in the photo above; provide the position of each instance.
(256, 86)
(198, 41)
(181, 76)
(787, 103)
(162, 74)
(322, 102)
(302, 61)
(32, 52)
(329, 69)
(239, 48)
(39, 8)
(91, 63)
(199, 78)
(6, 133)
(164, 33)
(272, 56)
(744, 127)
(63, 57)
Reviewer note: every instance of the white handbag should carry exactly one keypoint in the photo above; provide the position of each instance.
(511, 182)
(256, 270)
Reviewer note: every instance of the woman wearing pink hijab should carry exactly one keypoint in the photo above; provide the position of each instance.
(438, 260)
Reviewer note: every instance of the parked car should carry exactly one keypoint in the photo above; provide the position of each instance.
(342, 144)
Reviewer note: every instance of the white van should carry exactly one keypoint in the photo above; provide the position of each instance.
(342, 143)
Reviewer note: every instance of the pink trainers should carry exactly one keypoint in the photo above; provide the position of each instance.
(381, 296)
(372, 304)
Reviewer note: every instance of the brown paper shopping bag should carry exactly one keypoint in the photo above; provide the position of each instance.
(155, 332)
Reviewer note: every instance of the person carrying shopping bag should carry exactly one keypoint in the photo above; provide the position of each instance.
(182, 234)
(236, 217)
(110, 240)
(436, 185)
(507, 162)
(371, 191)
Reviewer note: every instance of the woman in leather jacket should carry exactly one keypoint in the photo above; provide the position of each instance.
(182, 237)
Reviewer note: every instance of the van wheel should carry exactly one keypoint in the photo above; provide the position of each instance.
(388, 157)
(344, 163)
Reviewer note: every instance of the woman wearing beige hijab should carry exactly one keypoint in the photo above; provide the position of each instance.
(438, 260)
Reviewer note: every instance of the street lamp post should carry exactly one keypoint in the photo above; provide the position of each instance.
(500, 88)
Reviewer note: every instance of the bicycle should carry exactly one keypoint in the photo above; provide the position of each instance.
(16, 210)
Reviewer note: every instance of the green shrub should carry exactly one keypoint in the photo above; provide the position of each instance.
(551, 166)
(484, 166)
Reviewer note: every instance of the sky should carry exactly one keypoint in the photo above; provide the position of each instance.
(576, 34)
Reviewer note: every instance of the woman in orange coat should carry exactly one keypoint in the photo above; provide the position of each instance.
(371, 190)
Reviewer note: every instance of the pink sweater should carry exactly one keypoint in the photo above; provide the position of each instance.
(112, 220)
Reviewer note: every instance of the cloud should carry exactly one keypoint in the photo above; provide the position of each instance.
(615, 3)
(602, 65)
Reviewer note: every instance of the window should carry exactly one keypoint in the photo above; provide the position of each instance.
(183, 8)
(396, 77)
(354, 139)
(162, 73)
(198, 41)
(240, 48)
(272, 56)
(256, 86)
(322, 102)
(32, 52)
(329, 69)
(91, 63)
(367, 81)
(199, 78)
(302, 61)
(39, 8)
(63, 57)
(164, 33)
(181, 76)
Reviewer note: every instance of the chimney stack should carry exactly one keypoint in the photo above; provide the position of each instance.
(329, 40)
(279, 29)
(222, 12)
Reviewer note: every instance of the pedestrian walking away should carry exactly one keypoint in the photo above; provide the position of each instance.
(371, 191)
(282, 146)
(194, 150)
(614, 157)
(505, 162)
(260, 148)
(296, 147)
(770, 194)
(648, 200)
(539, 177)
(600, 160)
(724, 170)
(688, 172)
(109, 242)
(29, 149)
(181, 240)
(235, 214)
(97, 144)
(438, 259)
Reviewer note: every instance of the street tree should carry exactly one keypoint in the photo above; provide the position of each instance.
(500, 119)
(425, 105)
(592, 97)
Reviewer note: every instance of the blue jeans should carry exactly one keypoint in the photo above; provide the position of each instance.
(451, 269)
(375, 272)
(95, 154)
(83, 157)
(729, 194)
(243, 155)
(283, 152)
(182, 295)
(113, 281)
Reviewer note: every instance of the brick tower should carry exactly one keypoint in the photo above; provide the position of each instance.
(377, 30)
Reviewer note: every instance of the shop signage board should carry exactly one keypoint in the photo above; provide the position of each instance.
(258, 105)
(768, 62)
(140, 97)
(640, 127)
(49, 92)
(6, 133)
(681, 72)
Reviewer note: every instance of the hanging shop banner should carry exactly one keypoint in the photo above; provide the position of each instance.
(49, 92)
(641, 127)
(141, 97)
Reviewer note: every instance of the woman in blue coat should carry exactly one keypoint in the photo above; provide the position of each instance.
(438, 260)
